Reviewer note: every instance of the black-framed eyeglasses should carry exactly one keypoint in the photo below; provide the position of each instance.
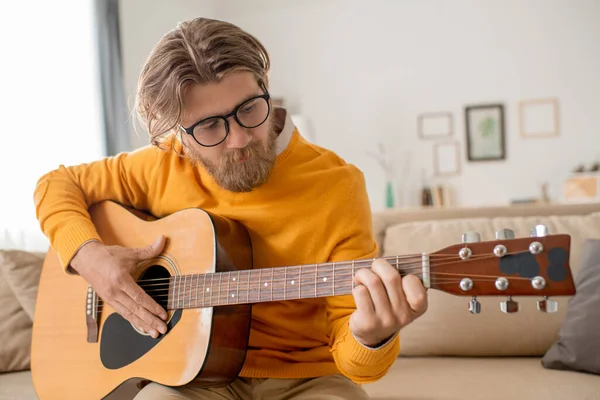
(212, 131)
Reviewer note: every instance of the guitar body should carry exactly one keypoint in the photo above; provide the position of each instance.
(75, 357)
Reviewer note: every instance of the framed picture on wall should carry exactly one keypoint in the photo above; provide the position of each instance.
(538, 118)
(435, 125)
(446, 159)
(486, 140)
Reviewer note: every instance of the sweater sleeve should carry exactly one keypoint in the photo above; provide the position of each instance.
(62, 196)
(360, 363)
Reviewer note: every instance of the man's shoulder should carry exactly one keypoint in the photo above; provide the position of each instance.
(329, 163)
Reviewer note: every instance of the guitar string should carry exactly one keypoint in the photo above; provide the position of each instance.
(278, 295)
(305, 287)
(306, 268)
(349, 264)
(182, 295)
(253, 286)
(320, 282)
(344, 273)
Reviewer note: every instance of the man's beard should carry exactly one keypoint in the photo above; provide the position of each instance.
(244, 176)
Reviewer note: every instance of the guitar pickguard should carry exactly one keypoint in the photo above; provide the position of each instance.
(121, 344)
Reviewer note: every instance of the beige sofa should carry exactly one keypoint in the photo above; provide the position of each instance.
(446, 354)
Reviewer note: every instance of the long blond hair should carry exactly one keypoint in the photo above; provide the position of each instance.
(198, 51)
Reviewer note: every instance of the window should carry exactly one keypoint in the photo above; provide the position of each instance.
(51, 105)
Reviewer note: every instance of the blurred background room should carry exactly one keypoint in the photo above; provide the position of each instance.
(472, 120)
(464, 103)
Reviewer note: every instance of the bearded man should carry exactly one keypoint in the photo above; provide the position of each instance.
(217, 143)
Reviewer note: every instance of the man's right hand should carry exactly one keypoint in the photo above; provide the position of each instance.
(108, 269)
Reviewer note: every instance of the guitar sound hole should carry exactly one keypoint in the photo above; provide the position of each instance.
(154, 280)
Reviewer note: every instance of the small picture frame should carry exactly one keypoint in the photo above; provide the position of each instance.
(446, 159)
(486, 140)
(435, 125)
(538, 118)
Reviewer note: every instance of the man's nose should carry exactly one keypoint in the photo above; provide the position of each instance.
(238, 137)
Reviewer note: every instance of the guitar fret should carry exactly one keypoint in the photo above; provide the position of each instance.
(182, 293)
(285, 283)
(300, 283)
(197, 281)
(333, 281)
(219, 295)
(228, 278)
(185, 291)
(316, 269)
(178, 292)
(237, 288)
(209, 289)
(271, 284)
(203, 290)
(259, 284)
(191, 291)
(352, 277)
(248, 291)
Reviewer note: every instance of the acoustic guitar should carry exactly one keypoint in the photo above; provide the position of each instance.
(82, 348)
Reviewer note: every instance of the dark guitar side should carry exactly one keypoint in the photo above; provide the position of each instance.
(206, 345)
(230, 324)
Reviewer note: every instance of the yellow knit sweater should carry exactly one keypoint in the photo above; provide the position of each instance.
(313, 209)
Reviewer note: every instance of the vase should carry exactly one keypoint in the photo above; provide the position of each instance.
(389, 195)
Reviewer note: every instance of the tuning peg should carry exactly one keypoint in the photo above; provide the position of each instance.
(509, 306)
(471, 237)
(474, 306)
(505, 234)
(547, 306)
(539, 231)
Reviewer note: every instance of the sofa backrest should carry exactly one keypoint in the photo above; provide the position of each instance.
(448, 328)
(383, 219)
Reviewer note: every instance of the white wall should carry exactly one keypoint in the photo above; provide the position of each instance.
(363, 71)
(143, 23)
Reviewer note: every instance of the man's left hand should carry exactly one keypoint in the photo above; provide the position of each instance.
(385, 302)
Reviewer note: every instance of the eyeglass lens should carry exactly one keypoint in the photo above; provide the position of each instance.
(249, 115)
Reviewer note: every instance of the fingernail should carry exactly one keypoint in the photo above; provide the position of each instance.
(163, 329)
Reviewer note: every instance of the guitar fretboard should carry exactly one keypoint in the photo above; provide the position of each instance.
(263, 285)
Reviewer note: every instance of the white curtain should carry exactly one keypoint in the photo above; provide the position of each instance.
(50, 105)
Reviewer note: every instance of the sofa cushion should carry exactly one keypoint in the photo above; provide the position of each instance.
(501, 378)
(448, 328)
(579, 344)
(19, 272)
(17, 385)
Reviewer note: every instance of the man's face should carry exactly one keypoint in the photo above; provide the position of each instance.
(244, 160)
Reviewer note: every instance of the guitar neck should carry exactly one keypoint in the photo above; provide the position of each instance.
(274, 284)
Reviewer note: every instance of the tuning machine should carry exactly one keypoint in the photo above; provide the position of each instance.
(474, 306)
(504, 234)
(509, 305)
(471, 237)
(468, 237)
(547, 305)
(539, 231)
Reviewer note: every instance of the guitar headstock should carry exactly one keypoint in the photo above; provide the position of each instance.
(507, 266)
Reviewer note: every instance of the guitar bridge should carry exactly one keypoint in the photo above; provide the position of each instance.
(91, 315)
